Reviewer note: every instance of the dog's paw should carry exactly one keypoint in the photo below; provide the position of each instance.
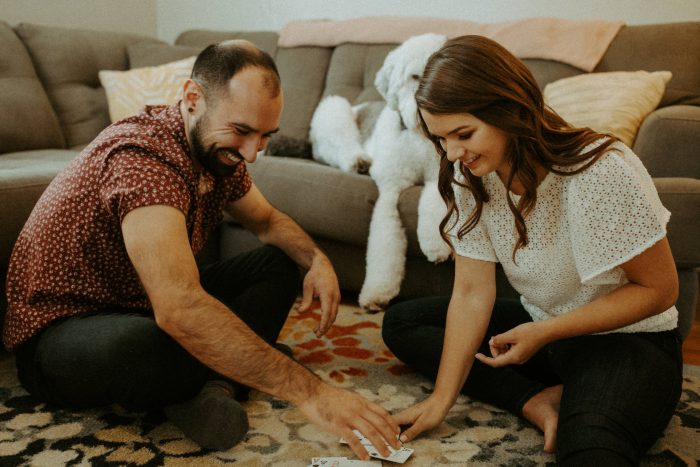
(436, 250)
(362, 166)
(373, 307)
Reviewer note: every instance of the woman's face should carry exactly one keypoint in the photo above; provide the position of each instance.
(478, 146)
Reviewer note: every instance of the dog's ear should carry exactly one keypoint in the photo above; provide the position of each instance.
(384, 77)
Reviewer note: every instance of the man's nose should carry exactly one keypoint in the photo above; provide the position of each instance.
(250, 148)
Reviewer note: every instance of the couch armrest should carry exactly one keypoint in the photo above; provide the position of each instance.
(681, 196)
(668, 142)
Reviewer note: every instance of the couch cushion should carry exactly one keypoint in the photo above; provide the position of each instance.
(313, 194)
(681, 196)
(67, 62)
(265, 40)
(144, 54)
(23, 178)
(673, 47)
(668, 142)
(352, 71)
(27, 120)
(548, 71)
(303, 72)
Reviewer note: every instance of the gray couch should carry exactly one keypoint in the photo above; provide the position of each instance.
(53, 105)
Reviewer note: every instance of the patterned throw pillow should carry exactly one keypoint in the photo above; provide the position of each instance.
(129, 91)
(614, 102)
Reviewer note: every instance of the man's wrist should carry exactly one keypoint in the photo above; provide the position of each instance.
(306, 387)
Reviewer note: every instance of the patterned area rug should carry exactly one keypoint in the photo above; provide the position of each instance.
(353, 356)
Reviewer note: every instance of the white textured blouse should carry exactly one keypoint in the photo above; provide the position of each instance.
(582, 228)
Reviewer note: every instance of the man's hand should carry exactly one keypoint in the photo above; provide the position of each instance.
(340, 411)
(423, 416)
(321, 282)
(515, 346)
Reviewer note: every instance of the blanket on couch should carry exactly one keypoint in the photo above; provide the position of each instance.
(578, 43)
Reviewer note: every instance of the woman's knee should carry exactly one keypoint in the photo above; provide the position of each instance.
(394, 324)
(588, 435)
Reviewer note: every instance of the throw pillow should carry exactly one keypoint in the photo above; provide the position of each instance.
(129, 91)
(613, 102)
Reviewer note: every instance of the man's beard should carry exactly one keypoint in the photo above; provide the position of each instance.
(209, 157)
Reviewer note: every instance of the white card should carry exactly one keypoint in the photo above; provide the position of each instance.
(327, 461)
(399, 456)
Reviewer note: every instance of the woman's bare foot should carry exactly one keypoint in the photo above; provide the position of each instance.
(542, 410)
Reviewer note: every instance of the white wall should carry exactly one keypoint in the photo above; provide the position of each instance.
(167, 18)
(132, 16)
(175, 16)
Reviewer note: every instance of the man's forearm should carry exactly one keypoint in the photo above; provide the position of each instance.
(286, 234)
(218, 338)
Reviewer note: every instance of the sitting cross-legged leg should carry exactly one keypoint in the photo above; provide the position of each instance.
(620, 391)
(123, 357)
(414, 331)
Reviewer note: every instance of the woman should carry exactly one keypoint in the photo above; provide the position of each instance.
(590, 354)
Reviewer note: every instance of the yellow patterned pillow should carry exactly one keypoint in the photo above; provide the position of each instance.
(129, 91)
(614, 102)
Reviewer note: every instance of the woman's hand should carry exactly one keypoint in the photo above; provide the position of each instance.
(515, 346)
(421, 417)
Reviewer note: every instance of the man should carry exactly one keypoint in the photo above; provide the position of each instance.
(106, 303)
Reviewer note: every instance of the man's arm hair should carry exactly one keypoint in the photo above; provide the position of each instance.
(272, 226)
(157, 244)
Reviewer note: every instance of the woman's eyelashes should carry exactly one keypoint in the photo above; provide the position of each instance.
(464, 136)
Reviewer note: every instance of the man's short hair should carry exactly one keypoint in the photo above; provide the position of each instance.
(218, 63)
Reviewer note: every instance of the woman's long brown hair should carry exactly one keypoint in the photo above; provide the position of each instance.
(475, 75)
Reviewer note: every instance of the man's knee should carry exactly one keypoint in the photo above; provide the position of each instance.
(285, 269)
(587, 436)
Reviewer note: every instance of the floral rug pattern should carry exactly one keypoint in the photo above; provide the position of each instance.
(351, 355)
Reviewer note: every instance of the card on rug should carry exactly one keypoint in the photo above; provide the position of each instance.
(400, 456)
(341, 462)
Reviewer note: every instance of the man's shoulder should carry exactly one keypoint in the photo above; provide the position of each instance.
(155, 132)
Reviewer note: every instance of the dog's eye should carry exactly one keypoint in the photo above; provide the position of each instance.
(415, 77)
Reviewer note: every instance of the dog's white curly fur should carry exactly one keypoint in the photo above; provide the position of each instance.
(400, 157)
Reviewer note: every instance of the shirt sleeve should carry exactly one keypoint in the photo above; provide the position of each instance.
(133, 178)
(476, 243)
(238, 183)
(614, 215)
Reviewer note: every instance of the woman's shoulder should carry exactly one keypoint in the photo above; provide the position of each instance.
(617, 160)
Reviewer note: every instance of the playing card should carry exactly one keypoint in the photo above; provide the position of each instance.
(341, 462)
(399, 456)
(327, 461)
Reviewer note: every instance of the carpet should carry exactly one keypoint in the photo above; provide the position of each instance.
(352, 355)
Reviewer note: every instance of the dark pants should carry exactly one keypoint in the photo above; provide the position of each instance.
(620, 389)
(107, 357)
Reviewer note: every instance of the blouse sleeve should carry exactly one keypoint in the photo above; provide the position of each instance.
(476, 243)
(615, 214)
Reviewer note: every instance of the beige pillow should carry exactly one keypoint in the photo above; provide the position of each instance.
(614, 102)
(129, 91)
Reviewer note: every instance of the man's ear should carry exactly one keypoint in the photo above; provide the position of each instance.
(193, 97)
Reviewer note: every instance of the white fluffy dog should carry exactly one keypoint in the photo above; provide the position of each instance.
(398, 155)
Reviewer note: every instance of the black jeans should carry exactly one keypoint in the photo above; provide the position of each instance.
(620, 389)
(113, 356)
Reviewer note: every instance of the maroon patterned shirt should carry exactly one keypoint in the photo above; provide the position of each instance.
(70, 257)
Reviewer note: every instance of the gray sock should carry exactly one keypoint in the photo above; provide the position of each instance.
(213, 418)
